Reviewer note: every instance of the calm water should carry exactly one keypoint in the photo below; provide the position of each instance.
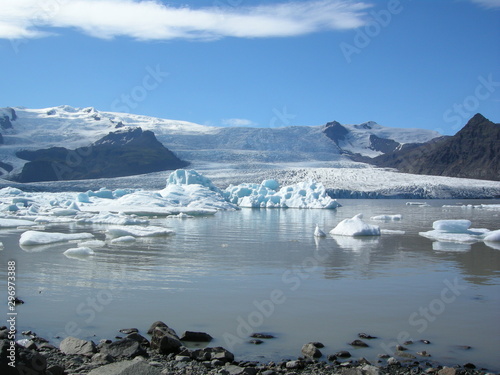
(263, 271)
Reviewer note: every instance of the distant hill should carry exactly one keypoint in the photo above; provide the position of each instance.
(474, 152)
(122, 153)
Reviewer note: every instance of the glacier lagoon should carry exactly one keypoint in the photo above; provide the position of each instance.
(262, 270)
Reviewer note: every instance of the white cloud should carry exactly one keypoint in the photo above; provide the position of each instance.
(238, 122)
(152, 20)
(488, 3)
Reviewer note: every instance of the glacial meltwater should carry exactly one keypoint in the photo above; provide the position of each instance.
(262, 270)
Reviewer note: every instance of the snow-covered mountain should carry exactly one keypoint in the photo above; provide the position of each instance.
(31, 129)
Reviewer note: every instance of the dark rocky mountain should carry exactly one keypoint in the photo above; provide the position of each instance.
(121, 153)
(474, 152)
(6, 116)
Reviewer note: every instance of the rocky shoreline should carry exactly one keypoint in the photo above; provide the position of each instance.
(165, 354)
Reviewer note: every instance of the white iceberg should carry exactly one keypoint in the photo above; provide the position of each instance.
(355, 227)
(452, 226)
(134, 231)
(123, 240)
(310, 194)
(397, 217)
(458, 231)
(79, 251)
(33, 237)
(92, 243)
(14, 223)
(318, 232)
(109, 218)
(493, 236)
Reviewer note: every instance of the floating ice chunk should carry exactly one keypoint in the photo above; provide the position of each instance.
(438, 235)
(397, 217)
(308, 194)
(10, 191)
(92, 244)
(355, 227)
(190, 177)
(83, 198)
(64, 212)
(390, 231)
(79, 251)
(33, 237)
(318, 232)
(419, 204)
(493, 236)
(14, 223)
(109, 218)
(101, 193)
(180, 215)
(452, 226)
(1, 245)
(450, 246)
(151, 231)
(123, 240)
(362, 245)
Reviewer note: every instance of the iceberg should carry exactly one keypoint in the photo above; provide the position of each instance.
(33, 237)
(150, 231)
(387, 217)
(452, 226)
(14, 223)
(493, 236)
(92, 243)
(318, 232)
(455, 231)
(123, 240)
(355, 227)
(109, 218)
(79, 251)
(310, 194)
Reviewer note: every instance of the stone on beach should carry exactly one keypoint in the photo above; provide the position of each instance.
(73, 345)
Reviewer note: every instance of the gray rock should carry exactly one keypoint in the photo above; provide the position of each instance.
(392, 361)
(126, 348)
(359, 343)
(370, 370)
(343, 354)
(237, 370)
(139, 338)
(55, 370)
(221, 354)
(352, 371)
(128, 331)
(160, 324)
(261, 336)
(133, 367)
(196, 336)
(310, 350)
(447, 371)
(102, 359)
(182, 358)
(294, 365)
(366, 336)
(256, 341)
(403, 354)
(72, 345)
(164, 342)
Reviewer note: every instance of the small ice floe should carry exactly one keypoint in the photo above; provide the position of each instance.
(123, 240)
(33, 238)
(318, 232)
(392, 231)
(397, 217)
(493, 236)
(109, 218)
(418, 204)
(355, 227)
(134, 231)
(180, 215)
(458, 231)
(14, 223)
(79, 251)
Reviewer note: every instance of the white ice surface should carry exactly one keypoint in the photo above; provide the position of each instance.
(452, 226)
(493, 236)
(396, 217)
(318, 232)
(14, 223)
(79, 251)
(137, 231)
(355, 227)
(31, 237)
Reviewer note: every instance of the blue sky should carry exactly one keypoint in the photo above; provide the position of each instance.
(408, 63)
